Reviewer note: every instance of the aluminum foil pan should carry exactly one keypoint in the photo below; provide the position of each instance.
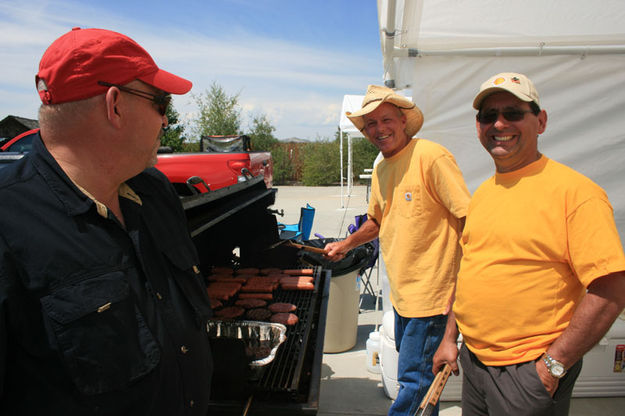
(261, 339)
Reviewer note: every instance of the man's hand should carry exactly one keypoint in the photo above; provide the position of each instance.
(550, 382)
(447, 352)
(336, 251)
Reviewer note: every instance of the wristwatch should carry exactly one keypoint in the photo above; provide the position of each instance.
(555, 367)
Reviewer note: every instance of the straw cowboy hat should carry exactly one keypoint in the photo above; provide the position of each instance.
(377, 95)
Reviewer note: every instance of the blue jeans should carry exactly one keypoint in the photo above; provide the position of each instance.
(416, 340)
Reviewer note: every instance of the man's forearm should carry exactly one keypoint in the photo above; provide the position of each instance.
(447, 351)
(451, 330)
(594, 316)
(367, 232)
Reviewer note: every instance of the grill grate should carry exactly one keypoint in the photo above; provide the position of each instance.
(283, 373)
(289, 385)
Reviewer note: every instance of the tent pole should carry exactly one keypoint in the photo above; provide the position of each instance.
(388, 45)
(544, 50)
(341, 156)
(350, 167)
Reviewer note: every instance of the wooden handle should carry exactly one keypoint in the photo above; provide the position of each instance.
(307, 248)
(436, 389)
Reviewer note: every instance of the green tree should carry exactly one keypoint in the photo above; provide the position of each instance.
(283, 165)
(219, 113)
(172, 136)
(261, 133)
(320, 163)
(363, 155)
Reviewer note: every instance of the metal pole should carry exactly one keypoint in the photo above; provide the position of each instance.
(350, 168)
(341, 156)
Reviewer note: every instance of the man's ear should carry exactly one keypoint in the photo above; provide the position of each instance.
(112, 101)
(542, 121)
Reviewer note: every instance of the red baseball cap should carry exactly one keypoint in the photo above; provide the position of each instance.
(72, 66)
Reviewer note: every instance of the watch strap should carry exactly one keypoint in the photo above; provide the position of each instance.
(555, 367)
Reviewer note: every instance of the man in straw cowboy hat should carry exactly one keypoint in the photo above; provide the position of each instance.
(417, 208)
(542, 274)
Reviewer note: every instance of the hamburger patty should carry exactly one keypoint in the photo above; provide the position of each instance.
(251, 303)
(285, 318)
(282, 307)
(258, 314)
(230, 312)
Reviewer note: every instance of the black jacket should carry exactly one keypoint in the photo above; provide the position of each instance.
(96, 318)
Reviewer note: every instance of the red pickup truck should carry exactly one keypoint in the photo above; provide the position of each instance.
(223, 161)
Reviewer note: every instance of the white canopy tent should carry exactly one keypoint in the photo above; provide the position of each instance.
(351, 103)
(573, 50)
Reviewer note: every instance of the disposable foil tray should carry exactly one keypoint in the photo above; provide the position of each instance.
(261, 339)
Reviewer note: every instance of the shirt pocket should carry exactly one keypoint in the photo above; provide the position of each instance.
(189, 279)
(101, 334)
(407, 201)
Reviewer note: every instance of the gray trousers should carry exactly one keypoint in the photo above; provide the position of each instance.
(512, 390)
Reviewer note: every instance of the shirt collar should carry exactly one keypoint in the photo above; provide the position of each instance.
(74, 198)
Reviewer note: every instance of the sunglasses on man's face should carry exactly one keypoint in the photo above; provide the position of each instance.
(161, 100)
(491, 116)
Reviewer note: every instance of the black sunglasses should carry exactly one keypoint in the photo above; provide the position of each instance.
(490, 117)
(161, 100)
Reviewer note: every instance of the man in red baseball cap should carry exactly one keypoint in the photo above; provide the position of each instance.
(102, 305)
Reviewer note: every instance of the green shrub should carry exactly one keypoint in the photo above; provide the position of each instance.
(321, 163)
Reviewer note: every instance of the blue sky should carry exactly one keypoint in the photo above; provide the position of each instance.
(290, 60)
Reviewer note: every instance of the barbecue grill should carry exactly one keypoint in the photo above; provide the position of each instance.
(234, 227)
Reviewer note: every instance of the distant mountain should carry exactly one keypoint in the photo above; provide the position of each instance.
(293, 140)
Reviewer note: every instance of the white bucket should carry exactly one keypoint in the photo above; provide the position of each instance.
(373, 353)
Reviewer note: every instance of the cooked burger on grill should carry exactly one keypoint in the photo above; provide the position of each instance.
(256, 295)
(222, 290)
(282, 307)
(230, 312)
(248, 270)
(260, 287)
(264, 279)
(251, 303)
(215, 303)
(258, 314)
(270, 270)
(285, 318)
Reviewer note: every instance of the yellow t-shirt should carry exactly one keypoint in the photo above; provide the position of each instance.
(417, 198)
(534, 240)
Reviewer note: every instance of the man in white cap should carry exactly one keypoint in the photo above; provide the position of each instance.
(542, 274)
(103, 310)
(417, 208)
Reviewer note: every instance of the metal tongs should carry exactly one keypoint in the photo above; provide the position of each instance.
(291, 243)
